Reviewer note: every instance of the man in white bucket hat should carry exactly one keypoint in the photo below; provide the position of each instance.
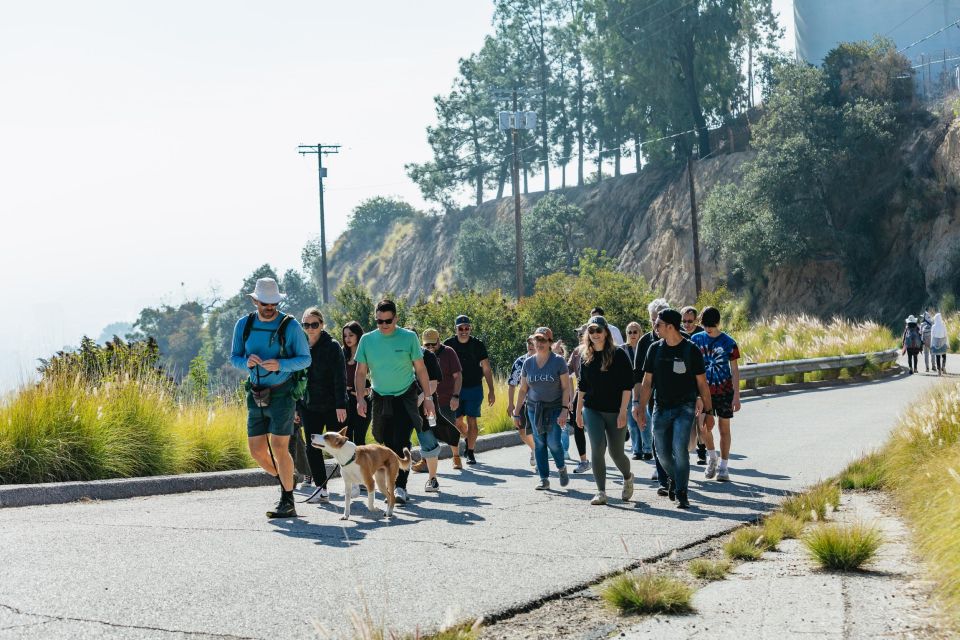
(272, 346)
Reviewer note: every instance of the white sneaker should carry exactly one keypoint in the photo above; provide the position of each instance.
(582, 467)
(711, 469)
(400, 495)
(600, 498)
(355, 491)
(627, 488)
(320, 497)
(723, 474)
(533, 460)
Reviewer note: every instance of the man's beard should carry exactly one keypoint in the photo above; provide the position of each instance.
(268, 314)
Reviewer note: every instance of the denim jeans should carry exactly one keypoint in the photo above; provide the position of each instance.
(565, 439)
(429, 445)
(640, 441)
(671, 430)
(549, 440)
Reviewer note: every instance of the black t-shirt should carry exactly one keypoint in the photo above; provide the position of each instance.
(603, 390)
(675, 371)
(471, 354)
(430, 361)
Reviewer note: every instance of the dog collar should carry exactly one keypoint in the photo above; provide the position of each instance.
(350, 461)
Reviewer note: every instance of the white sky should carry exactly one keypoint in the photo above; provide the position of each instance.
(148, 150)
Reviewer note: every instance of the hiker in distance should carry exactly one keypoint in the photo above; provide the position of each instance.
(273, 347)
(394, 359)
(674, 372)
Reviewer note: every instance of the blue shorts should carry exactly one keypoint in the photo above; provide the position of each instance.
(470, 400)
(429, 445)
(276, 419)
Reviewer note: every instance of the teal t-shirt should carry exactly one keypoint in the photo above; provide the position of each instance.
(390, 359)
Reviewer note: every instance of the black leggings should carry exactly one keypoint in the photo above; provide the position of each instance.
(356, 425)
(317, 422)
(578, 434)
(942, 362)
(395, 429)
(913, 358)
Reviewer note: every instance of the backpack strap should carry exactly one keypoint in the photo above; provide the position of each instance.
(248, 326)
(282, 334)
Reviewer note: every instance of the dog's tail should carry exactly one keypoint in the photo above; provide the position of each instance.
(406, 460)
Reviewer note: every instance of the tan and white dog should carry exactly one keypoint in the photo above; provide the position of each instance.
(361, 464)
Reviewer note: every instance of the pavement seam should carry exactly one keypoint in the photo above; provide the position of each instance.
(116, 625)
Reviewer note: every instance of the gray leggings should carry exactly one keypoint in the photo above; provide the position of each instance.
(602, 430)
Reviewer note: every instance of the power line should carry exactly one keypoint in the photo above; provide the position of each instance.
(927, 37)
(911, 17)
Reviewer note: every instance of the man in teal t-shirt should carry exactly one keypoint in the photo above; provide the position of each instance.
(257, 349)
(393, 357)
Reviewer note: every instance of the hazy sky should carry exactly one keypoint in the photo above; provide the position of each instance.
(148, 150)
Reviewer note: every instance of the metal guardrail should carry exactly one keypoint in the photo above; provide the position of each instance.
(751, 372)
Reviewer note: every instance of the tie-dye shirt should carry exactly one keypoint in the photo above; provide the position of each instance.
(717, 354)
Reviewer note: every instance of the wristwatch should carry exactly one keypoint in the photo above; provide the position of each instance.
(456, 395)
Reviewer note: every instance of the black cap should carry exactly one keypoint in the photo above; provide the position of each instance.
(671, 317)
(461, 320)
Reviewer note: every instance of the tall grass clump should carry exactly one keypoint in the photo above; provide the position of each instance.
(786, 526)
(814, 503)
(709, 569)
(800, 337)
(647, 593)
(108, 412)
(748, 543)
(866, 473)
(922, 469)
(842, 547)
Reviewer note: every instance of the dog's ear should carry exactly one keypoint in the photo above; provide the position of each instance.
(343, 432)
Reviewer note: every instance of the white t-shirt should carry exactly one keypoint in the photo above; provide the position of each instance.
(616, 335)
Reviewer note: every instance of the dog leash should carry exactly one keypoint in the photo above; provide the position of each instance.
(322, 486)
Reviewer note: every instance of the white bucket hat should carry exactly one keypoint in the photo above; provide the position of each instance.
(267, 291)
(910, 319)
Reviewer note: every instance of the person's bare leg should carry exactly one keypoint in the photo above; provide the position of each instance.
(281, 452)
(706, 433)
(472, 432)
(260, 453)
(526, 437)
(432, 466)
(724, 438)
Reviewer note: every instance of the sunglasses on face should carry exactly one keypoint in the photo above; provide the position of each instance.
(461, 328)
(385, 321)
(429, 345)
(311, 325)
(632, 333)
(594, 330)
(267, 304)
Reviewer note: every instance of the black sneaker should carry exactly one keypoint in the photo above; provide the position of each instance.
(662, 491)
(638, 456)
(682, 501)
(670, 492)
(648, 456)
(471, 459)
(285, 507)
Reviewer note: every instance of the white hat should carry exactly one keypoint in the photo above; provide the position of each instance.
(910, 319)
(267, 291)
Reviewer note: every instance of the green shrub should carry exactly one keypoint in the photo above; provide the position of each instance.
(746, 544)
(842, 547)
(647, 593)
(709, 569)
(787, 526)
(814, 503)
(865, 473)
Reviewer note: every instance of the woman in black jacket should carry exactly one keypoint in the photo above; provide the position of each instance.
(324, 407)
(357, 425)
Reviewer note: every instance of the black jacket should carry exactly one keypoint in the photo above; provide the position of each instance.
(327, 376)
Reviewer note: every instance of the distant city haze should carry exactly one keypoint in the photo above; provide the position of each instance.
(148, 151)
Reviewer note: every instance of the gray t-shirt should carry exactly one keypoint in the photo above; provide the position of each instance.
(543, 383)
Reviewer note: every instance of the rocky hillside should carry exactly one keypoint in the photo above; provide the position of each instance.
(643, 222)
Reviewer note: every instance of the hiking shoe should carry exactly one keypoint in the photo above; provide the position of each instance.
(400, 495)
(564, 478)
(682, 501)
(457, 463)
(662, 491)
(711, 469)
(600, 498)
(319, 497)
(432, 486)
(637, 456)
(284, 509)
(420, 466)
(582, 467)
(471, 459)
(542, 485)
(648, 456)
(723, 474)
(701, 462)
(627, 488)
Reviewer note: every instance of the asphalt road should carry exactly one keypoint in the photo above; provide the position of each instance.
(208, 564)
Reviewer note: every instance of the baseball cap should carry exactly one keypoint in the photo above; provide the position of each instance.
(461, 320)
(431, 336)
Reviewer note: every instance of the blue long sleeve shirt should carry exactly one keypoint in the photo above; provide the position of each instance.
(263, 341)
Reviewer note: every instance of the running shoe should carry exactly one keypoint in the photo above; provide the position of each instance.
(723, 474)
(432, 486)
(638, 456)
(400, 495)
(711, 469)
(320, 497)
(471, 459)
(354, 491)
(648, 456)
(582, 467)
(600, 498)
(284, 509)
(663, 491)
(627, 488)
(542, 485)
(564, 478)
(682, 501)
(533, 460)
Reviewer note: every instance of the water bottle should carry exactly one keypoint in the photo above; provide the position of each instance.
(432, 420)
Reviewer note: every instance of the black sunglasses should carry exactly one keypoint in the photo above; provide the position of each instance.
(632, 333)
(429, 344)
(312, 325)
(595, 330)
(387, 321)
(463, 328)
(267, 304)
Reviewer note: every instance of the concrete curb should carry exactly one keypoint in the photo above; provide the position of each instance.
(24, 495)
(777, 389)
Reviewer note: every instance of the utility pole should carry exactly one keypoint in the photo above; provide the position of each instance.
(321, 150)
(695, 226)
(515, 121)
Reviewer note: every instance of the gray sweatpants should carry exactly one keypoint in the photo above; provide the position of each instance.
(602, 430)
